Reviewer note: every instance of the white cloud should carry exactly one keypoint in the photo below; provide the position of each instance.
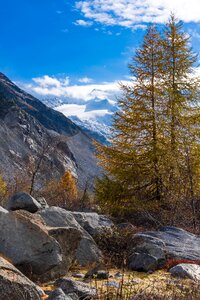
(128, 13)
(85, 80)
(85, 90)
(83, 23)
(47, 81)
(139, 26)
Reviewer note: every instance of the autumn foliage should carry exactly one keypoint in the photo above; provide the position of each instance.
(67, 183)
(62, 192)
(153, 162)
(3, 189)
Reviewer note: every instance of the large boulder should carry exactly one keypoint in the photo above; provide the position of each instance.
(191, 271)
(15, 286)
(83, 290)
(150, 250)
(68, 239)
(87, 251)
(23, 201)
(93, 223)
(148, 254)
(24, 239)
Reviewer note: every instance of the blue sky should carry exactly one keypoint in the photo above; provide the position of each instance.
(58, 44)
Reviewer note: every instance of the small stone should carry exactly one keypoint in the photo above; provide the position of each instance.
(78, 275)
(136, 281)
(112, 284)
(101, 274)
(118, 275)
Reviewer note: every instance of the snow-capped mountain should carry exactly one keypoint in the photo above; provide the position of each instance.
(90, 105)
(94, 116)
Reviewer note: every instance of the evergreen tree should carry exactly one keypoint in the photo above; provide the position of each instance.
(180, 89)
(135, 155)
(153, 156)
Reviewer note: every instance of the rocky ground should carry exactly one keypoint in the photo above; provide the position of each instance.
(51, 253)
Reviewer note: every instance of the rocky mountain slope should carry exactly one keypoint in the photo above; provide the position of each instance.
(28, 127)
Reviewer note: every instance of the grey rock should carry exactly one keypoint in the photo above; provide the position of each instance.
(191, 271)
(178, 242)
(97, 273)
(15, 286)
(101, 274)
(142, 262)
(25, 241)
(78, 275)
(73, 296)
(91, 273)
(93, 223)
(112, 284)
(87, 251)
(68, 239)
(58, 217)
(83, 290)
(23, 201)
(58, 294)
(118, 275)
(147, 257)
(169, 242)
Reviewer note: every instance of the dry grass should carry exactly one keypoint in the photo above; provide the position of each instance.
(134, 285)
(142, 286)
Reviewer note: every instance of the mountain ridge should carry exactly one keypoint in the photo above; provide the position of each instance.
(26, 123)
